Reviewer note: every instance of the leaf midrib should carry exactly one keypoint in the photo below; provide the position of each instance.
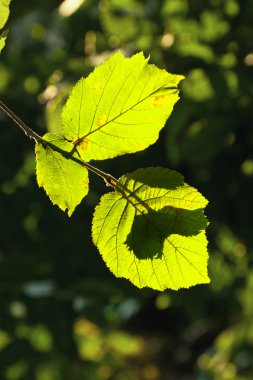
(80, 139)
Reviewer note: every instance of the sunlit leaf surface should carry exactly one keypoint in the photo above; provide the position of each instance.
(120, 108)
(4, 14)
(151, 230)
(65, 180)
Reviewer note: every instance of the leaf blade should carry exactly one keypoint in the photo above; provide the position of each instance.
(64, 180)
(3, 37)
(4, 14)
(159, 247)
(105, 109)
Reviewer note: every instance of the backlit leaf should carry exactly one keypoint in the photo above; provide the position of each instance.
(64, 179)
(4, 14)
(151, 230)
(119, 108)
(3, 37)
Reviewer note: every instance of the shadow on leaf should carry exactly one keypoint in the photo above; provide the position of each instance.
(156, 178)
(154, 227)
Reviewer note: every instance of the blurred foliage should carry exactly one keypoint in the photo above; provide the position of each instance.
(63, 315)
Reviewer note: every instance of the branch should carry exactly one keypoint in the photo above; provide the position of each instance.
(108, 178)
(28, 131)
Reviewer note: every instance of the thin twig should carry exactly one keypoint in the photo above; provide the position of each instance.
(108, 178)
(28, 131)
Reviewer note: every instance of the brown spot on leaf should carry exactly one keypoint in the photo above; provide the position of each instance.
(159, 101)
(102, 120)
(83, 145)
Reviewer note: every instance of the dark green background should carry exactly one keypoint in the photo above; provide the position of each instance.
(63, 315)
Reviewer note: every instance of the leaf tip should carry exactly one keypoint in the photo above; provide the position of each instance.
(69, 212)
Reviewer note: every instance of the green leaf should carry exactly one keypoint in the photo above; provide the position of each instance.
(119, 108)
(151, 230)
(60, 172)
(4, 14)
(3, 37)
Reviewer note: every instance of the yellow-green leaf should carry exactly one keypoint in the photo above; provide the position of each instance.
(3, 37)
(4, 14)
(119, 108)
(64, 179)
(152, 230)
